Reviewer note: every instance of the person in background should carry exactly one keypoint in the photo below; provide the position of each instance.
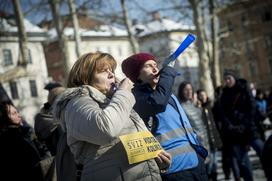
(194, 113)
(226, 151)
(165, 117)
(237, 107)
(252, 87)
(19, 153)
(261, 113)
(215, 142)
(269, 104)
(46, 128)
(95, 115)
(267, 158)
(49, 132)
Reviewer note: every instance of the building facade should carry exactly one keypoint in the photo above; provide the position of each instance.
(27, 92)
(95, 36)
(246, 40)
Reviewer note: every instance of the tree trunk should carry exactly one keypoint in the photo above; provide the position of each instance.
(61, 37)
(72, 8)
(204, 67)
(215, 59)
(20, 69)
(22, 36)
(133, 41)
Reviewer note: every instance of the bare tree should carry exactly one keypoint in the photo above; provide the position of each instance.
(214, 35)
(132, 39)
(55, 8)
(204, 63)
(21, 32)
(72, 7)
(18, 71)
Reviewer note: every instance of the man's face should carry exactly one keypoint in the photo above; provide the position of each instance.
(229, 81)
(148, 73)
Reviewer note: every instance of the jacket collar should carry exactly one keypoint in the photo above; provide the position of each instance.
(85, 90)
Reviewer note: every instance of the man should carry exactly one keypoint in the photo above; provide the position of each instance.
(237, 107)
(163, 114)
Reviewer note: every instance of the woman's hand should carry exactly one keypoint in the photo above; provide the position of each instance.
(163, 160)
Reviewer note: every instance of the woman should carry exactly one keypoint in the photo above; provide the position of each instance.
(95, 115)
(186, 94)
(18, 154)
(214, 139)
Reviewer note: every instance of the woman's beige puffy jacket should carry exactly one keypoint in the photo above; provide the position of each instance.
(94, 123)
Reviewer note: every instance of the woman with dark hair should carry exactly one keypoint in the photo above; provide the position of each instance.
(18, 154)
(194, 113)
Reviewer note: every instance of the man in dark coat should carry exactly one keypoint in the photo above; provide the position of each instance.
(238, 110)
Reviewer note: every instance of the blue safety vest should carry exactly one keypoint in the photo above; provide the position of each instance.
(176, 135)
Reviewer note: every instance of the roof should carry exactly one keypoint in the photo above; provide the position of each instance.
(101, 30)
(163, 25)
(9, 25)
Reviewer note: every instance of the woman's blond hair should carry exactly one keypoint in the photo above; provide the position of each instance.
(87, 65)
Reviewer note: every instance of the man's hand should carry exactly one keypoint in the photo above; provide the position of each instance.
(163, 160)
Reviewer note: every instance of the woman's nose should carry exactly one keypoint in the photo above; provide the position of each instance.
(111, 74)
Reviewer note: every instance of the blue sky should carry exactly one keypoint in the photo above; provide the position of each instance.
(138, 9)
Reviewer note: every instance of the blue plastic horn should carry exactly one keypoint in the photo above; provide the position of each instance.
(184, 44)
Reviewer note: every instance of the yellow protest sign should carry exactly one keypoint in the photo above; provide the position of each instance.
(140, 146)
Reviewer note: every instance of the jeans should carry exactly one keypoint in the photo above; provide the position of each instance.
(240, 162)
(212, 165)
(257, 145)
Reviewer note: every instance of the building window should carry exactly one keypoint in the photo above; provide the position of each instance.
(252, 68)
(270, 63)
(230, 26)
(29, 57)
(151, 50)
(120, 50)
(266, 16)
(97, 49)
(33, 88)
(7, 57)
(268, 41)
(109, 50)
(14, 90)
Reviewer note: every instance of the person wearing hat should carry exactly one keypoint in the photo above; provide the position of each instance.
(47, 129)
(239, 131)
(164, 116)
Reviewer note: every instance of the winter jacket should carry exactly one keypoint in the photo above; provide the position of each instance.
(196, 119)
(160, 113)
(19, 156)
(215, 141)
(47, 129)
(237, 107)
(93, 124)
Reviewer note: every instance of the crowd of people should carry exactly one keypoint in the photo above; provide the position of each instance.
(76, 134)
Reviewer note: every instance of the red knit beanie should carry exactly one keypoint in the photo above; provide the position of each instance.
(133, 64)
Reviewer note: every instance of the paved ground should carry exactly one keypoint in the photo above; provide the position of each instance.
(257, 170)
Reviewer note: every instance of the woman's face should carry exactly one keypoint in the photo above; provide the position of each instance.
(188, 92)
(14, 115)
(104, 80)
(202, 96)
